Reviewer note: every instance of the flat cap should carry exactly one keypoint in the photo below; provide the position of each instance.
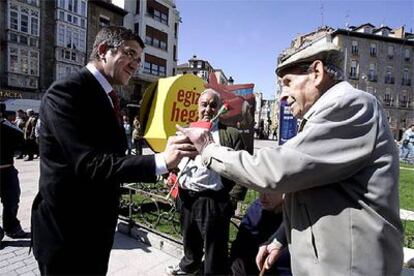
(320, 50)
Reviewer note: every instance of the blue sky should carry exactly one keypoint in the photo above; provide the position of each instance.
(244, 37)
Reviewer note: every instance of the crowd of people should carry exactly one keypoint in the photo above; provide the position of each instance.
(28, 122)
(338, 175)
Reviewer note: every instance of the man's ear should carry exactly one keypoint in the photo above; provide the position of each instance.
(102, 49)
(318, 72)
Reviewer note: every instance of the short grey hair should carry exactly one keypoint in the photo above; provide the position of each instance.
(214, 92)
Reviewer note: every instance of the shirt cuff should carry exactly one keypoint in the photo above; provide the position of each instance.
(160, 165)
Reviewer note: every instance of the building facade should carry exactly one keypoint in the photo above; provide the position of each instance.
(377, 60)
(157, 23)
(20, 49)
(203, 68)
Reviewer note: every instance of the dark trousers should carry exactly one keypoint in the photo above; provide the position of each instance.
(205, 221)
(10, 195)
(80, 265)
(30, 148)
(138, 146)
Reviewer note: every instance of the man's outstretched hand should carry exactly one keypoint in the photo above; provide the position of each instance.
(177, 148)
(200, 137)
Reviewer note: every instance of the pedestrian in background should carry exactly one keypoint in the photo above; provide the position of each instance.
(128, 133)
(29, 135)
(137, 136)
(407, 144)
(10, 138)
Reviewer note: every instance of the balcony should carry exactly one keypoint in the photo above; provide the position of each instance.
(406, 82)
(389, 80)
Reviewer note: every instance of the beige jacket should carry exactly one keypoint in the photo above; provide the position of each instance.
(340, 176)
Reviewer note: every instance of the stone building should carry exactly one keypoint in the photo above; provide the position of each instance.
(377, 60)
(156, 22)
(203, 68)
(20, 49)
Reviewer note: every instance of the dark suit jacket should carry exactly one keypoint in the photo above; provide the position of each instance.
(231, 137)
(82, 164)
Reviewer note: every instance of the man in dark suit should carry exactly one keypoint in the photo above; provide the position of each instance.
(82, 164)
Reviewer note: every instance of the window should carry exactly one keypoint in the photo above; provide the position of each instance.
(61, 16)
(83, 23)
(75, 6)
(104, 21)
(406, 78)
(14, 25)
(83, 8)
(24, 23)
(372, 74)
(19, 61)
(407, 54)
(23, 19)
(389, 76)
(64, 70)
(136, 28)
(157, 11)
(23, 39)
(33, 42)
(390, 52)
(13, 60)
(353, 74)
(13, 37)
(175, 53)
(34, 26)
(156, 38)
(155, 66)
(373, 50)
(71, 37)
(403, 100)
(354, 47)
(61, 4)
(34, 63)
(387, 99)
(175, 30)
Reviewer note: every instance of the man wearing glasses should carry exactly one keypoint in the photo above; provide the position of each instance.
(82, 163)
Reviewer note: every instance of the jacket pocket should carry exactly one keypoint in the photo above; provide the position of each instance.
(309, 232)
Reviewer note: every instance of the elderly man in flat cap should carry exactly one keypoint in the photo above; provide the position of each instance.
(339, 174)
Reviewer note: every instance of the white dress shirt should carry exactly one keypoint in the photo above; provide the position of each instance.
(160, 165)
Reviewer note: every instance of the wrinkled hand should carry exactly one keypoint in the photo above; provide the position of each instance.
(268, 255)
(177, 148)
(200, 137)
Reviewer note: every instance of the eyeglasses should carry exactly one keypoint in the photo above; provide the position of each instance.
(131, 55)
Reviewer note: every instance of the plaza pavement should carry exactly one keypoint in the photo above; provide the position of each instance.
(129, 255)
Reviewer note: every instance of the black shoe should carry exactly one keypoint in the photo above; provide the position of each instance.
(1, 234)
(19, 234)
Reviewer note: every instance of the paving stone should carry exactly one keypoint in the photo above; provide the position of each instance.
(10, 268)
